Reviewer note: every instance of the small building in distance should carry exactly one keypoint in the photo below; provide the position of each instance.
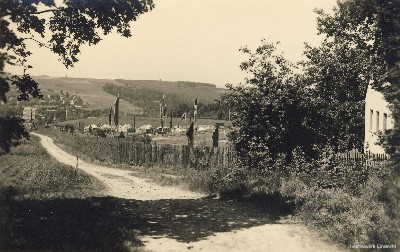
(378, 119)
(29, 113)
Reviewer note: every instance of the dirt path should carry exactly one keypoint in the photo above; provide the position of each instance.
(267, 237)
(120, 183)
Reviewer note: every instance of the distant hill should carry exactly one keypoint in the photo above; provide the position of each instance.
(94, 95)
(90, 90)
(204, 92)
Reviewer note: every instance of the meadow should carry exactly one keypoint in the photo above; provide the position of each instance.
(95, 97)
(90, 90)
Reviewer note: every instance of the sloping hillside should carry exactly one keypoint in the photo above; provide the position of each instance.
(94, 95)
(90, 90)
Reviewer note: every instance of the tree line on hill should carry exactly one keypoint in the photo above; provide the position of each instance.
(148, 99)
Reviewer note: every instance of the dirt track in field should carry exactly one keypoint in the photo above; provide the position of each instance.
(278, 236)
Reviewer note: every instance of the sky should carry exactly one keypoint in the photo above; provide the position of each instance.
(189, 40)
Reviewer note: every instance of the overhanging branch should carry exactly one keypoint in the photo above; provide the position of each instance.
(35, 13)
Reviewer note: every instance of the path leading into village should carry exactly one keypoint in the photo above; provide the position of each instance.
(123, 184)
(120, 183)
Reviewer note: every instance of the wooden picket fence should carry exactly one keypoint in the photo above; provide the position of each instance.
(201, 157)
(123, 151)
(368, 158)
(198, 157)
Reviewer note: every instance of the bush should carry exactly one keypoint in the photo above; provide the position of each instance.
(240, 182)
(232, 182)
(366, 213)
(351, 203)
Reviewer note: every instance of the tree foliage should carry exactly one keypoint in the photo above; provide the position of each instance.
(272, 116)
(278, 111)
(371, 28)
(60, 27)
(11, 131)
(338, 75)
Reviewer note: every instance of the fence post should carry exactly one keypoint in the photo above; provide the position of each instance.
(183, 156)
(136, 155)
(162, 155)
(175, 155)
(151, 155)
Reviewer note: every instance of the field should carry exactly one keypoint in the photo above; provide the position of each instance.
(90, 90)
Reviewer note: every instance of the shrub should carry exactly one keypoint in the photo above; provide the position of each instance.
(239, 182)
(232, 182)
(366, 213)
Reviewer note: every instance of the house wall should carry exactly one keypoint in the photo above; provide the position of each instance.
(26, 113)
(378, 118)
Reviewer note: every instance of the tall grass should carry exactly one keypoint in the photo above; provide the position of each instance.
(45, 205)
(32, 174)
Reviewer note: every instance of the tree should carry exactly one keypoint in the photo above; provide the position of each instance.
(338, 74)
(372, 27)
(272, 116)
(63, 29)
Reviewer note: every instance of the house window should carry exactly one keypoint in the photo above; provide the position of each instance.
(371, 114)
(384, 122)
(377, 121)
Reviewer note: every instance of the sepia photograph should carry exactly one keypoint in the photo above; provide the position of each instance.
(215, 126)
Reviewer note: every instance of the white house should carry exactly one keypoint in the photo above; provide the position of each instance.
(378, 118)
(29, 113)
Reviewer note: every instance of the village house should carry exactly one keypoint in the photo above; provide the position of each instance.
(29, 113)
(378, 119)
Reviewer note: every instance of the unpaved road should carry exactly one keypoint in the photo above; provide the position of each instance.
(269, 237)
(120, 183)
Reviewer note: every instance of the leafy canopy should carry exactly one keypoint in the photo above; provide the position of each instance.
(271, 112)
(278, 111)
(371, 28)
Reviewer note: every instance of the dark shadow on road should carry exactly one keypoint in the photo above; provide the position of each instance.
(108, 223)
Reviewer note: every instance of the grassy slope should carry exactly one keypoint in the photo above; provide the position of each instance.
(45, 206)
(29, 173)
(90, 90)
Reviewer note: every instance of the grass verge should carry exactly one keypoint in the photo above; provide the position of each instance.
(44, 205)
